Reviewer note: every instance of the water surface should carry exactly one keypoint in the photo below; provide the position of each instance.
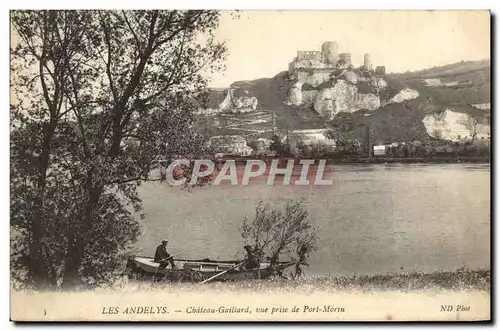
(372, 219)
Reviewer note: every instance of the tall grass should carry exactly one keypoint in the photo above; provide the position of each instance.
(459, 280)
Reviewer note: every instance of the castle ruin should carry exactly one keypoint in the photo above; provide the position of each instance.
(324, 61)
(327, 81)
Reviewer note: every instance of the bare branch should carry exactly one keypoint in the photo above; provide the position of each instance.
(132, 30)
(108, 62)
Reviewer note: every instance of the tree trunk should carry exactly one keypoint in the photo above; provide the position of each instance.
(77, 242)
(72, 263)
(37, 267)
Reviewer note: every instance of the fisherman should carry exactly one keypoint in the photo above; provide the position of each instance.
(252, 260)
(163, 174)
(163, 257)
(302, 252)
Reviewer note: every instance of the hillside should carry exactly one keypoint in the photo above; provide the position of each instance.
(405, 122)
(269, 91)
(454, 87)
(472, 79)
(448, 70)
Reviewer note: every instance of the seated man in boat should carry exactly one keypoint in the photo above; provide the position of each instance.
(162, 256)
(252, 260)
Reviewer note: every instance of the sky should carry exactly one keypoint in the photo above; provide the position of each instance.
(262, 43)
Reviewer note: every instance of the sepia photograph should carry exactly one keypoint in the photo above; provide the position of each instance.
(203, 165)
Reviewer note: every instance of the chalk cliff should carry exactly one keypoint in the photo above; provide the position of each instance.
(239, 103)
(341, 95)
(455, 126)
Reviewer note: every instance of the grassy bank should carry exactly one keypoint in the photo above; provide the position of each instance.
(459, 280)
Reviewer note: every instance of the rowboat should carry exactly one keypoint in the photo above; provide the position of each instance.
(199, 270)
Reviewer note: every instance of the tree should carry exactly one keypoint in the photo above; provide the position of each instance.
(98, 95)
(254, 145)
(471, 125)
(342, 144)
(438, 134)
(278, 146)
(302, 148)
(274, 232)
(406, 150)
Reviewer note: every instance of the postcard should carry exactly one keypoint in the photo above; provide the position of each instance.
(206, 165)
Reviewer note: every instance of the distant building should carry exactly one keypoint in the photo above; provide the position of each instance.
(433, 82)
(383, 149)
(379, 150)
(230, 145)
(483, 106)
(262, 146)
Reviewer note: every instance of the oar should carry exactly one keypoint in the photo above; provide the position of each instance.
(221, 273)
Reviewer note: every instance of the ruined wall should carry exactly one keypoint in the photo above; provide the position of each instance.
(309, 55)
(346, 58)
(305, 59)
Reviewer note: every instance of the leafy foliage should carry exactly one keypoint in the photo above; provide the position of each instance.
(279, 147)
(97, 97)
(274, 232)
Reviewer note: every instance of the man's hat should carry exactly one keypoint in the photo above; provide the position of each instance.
(164, 241)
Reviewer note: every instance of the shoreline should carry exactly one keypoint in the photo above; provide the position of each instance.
(373, 160)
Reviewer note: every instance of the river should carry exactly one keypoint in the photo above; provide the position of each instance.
(372, 219)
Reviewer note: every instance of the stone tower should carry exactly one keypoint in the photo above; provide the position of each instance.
(368, 62)
(330, 52)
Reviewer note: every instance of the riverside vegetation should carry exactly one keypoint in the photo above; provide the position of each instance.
(462, 279)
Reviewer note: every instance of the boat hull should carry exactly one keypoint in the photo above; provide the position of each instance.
(199, 270)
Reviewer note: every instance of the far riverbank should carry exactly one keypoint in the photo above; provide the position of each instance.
(376, 160)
